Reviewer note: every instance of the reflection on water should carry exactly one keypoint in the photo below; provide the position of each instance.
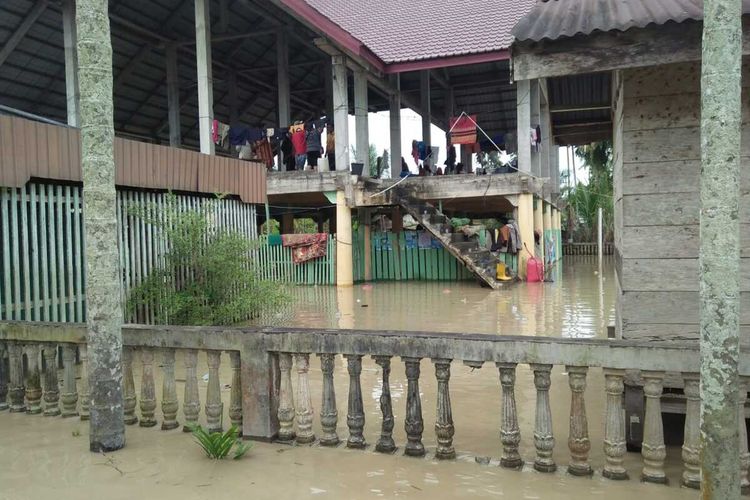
(579, 303)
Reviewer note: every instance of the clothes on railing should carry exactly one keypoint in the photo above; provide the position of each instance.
(306, 246)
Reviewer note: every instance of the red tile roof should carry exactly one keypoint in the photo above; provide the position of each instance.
(399, 31)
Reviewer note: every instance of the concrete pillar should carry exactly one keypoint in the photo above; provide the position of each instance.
(426, 99)
(523, 114)
(287, 224)
(548, 230)
(71, 62)
(395, 122)
(539, 226)
(173, 96)
(466, 158)
(546, 124)
(525, 220)
(341, 115)
(361, 126)
(205, 78)
(282, 71)
(328, 77)
(365, 220)
(344, 263)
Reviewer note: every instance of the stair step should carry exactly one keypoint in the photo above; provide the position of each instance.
(466, 246)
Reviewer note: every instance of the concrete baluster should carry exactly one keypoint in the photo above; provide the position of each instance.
(304, 405)
(148, 390)
(744, 455)
(691, 475)
(128, 389)
(286, 399)
(544, 440)
(413, 424)
(444, 425)
(69, 395)
(16, 389)
(614, 425)
(191, 405)
(653, 449)
(33, 380)
(51, 385)
(355, 417)
(169, 404)
(214, 406)
(510, 434)
(329, 416)
(385, 442)
(85, 393)
(578, 438)
(235, 396)
(3, 377)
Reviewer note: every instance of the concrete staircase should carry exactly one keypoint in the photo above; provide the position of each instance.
(480, 261)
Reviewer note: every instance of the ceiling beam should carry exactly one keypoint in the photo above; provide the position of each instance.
(20, 32)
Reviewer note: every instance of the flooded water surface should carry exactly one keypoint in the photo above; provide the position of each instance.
(46, 458)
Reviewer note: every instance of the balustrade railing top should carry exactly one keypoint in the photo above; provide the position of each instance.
(266, 404)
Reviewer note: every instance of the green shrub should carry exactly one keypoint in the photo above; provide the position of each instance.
(217, 445)
(206, 276)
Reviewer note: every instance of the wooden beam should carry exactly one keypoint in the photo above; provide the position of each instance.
(20, 32)
(599, 52)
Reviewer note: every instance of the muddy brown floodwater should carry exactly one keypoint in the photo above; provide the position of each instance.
(48, 458)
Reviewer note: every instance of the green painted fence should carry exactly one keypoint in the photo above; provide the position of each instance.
(394, 260)
(42, 260)
(275, 263)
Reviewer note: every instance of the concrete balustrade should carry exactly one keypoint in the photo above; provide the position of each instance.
(268, 403)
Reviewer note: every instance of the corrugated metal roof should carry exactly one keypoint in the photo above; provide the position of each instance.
(553, 19)
(400, 31)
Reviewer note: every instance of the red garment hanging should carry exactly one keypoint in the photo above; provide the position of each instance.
(463, 129)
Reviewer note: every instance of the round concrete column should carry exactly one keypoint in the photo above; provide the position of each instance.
(344, 265)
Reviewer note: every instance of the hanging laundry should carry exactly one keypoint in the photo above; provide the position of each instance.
(415, 152)
(263, 152)
(239, 136)
(538, 135)
(306, 246)
(463, 129)
(423, 151)
(298, 139)
(219, 134)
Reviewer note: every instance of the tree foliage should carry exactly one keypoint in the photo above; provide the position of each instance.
(585, 199)
(207, 276)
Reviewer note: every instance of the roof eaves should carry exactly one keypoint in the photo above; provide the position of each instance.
(322, 24)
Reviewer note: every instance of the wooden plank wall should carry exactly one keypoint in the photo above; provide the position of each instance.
(657, 201)
(30, 149)
(42, 260)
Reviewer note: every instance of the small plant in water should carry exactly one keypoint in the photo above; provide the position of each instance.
(217, 445)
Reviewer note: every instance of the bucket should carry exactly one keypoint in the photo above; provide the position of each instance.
(534, 270)
(357, 168)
